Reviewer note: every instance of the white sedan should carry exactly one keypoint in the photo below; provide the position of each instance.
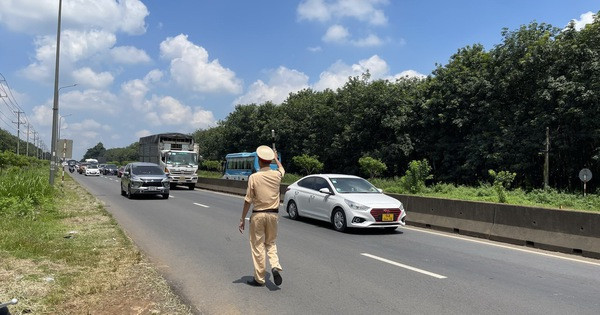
(92, 169)
(345, 201)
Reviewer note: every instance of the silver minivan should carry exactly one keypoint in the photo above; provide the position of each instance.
(144, 178)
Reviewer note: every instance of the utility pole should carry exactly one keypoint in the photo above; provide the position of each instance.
(27, 154)
(18, 122)
(34, 143)
(547, 160)
(55, 107)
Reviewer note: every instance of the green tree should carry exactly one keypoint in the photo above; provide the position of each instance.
(97, 151)
(417, 173)
(308, 163)
(372, 167)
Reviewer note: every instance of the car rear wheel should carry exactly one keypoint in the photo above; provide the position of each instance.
(292, 210)
(192, 186)
(339, 220)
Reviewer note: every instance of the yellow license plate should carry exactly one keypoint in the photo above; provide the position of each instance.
(387, 217)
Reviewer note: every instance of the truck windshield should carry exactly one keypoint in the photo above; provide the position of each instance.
(182, 158)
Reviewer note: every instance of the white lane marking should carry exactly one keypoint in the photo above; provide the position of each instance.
(201, 205)
(489, 242)
(425, 272)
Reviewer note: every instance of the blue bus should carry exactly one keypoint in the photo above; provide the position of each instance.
(238, 166)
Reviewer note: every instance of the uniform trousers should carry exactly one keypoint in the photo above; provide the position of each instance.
(263, 232)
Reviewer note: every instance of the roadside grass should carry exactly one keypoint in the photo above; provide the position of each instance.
(67, 255)
(485, 192)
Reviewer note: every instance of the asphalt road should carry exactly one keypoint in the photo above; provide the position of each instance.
(193, 238)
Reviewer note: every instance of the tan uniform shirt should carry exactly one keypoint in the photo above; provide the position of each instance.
(263, 188)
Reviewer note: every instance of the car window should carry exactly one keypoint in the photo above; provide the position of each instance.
(353, 185)
(93, 167)
(147, 170)
(320, 183)
(306, 183)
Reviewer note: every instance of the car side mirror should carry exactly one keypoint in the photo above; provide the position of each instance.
(380, 190)
(326, 191)
(126, 173)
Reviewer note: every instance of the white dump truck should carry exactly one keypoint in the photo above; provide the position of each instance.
(175, 153)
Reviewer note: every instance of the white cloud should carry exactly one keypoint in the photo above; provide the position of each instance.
(143, 133)
(75, 46)
(314, 10)
(369, 41)
(314, 49)
(362, 10)
(134, 91)
(191, 68)
(35, 16)
(336, 33)
(282, 82)
(92, 101)
(584, 19)
(87, 77)
(167, 110)
(337, 75)
(129, 55)
(42, 115)
(86, 125)
(407, 74)
(339, 34)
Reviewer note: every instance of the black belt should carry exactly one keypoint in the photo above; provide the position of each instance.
(266, 210)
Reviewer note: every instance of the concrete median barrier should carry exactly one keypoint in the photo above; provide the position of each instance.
(574, 232)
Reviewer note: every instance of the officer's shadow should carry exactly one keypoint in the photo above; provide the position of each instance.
(268, 284)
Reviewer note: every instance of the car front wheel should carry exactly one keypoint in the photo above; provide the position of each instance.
(129, 195)
(292, 210)
(339, 220)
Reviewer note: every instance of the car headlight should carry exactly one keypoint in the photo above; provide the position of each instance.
(136, 181)
(355, 206)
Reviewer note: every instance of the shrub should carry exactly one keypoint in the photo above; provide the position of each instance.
(502, 181)
(416, 175)
(308, 163)
(372, 167)
(212, 165)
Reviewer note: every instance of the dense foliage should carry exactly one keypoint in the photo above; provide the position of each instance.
(8, 142)
(24, 186)
(117, 156)
(483, 110)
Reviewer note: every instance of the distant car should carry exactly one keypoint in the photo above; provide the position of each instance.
(110, 169)
(144, 178)
(344, 200)
(101, 168)
(92, 169)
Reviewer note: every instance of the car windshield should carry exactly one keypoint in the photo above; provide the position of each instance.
(92, 166)
(147, 170)
(182, 158)
(352, 185)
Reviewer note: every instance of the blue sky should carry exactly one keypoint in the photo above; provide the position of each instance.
(144, 67)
